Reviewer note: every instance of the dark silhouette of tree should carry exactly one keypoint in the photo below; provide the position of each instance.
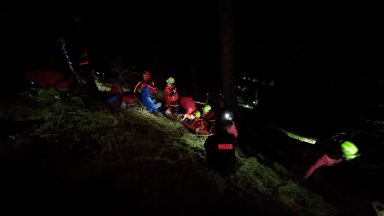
(227, 52)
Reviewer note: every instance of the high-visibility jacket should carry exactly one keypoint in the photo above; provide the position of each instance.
(171, 97)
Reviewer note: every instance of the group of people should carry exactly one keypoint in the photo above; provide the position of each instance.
(221, 129)
(218, 126)
(183, 109)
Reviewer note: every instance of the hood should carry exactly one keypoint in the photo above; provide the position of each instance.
(146, 76)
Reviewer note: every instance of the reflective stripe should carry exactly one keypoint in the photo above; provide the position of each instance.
(225, 146)
(134, 91)
(84, 63)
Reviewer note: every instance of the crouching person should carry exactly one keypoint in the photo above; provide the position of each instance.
(220, 151)
(146, 101)
(338, 148)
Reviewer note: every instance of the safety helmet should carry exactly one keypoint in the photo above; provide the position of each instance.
(350, 151)
(206, 108)
(197, 114)
(170, 80)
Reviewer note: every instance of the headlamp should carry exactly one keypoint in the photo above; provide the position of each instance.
(228, 116)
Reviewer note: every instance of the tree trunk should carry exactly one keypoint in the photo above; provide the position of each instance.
(227, 53)
(193, 71)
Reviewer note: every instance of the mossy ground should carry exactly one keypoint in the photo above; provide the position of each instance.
(140, 163)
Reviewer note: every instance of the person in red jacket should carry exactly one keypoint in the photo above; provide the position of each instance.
(337, 149)
(224, 119)
(47, 79)
(146, 82)
(189, 106)
(196, 124)
(171, 97)
(47, 83)
(209, 118)
(220, 151)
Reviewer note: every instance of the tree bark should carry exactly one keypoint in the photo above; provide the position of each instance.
(227, 53)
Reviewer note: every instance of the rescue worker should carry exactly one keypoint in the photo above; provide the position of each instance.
(342, 150)
(48, 82)
(85, 68)
(220, 151)
(193, 117)
(55, 79)
(147, 102)
(208, 117)
(198, 125)
(145, 82)
(189, 107)
(171, 97)
(224, 119)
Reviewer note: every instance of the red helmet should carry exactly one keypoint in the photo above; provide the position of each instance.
(146, 75)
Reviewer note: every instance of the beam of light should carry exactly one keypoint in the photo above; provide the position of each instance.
(247, 106)
(300, 138)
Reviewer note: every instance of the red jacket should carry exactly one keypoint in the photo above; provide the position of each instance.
(233, 130)
(188, 104)
(140, 85)
(209, 117)
(116, 90)
(130, 99)
(48, 78)
(171, 97)
(325, 160)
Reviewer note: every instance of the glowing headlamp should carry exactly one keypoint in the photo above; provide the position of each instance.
(228, 116)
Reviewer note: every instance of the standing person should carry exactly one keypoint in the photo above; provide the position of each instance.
(224, 119)
(171, 97)
(220, 151)
(85, 67)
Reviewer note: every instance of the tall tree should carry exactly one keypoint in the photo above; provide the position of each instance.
(227, 52)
